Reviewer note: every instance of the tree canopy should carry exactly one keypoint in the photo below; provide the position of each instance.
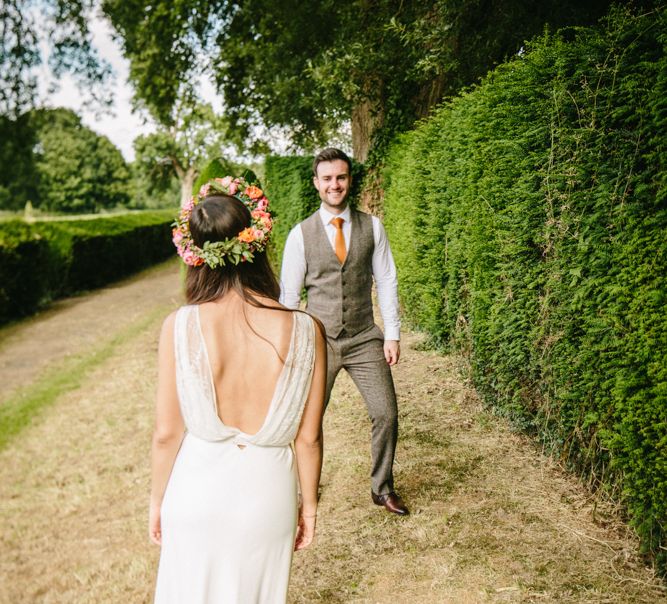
(78, 170)
(195, 136)
(32, 33)
(27, 29)
(308, 69)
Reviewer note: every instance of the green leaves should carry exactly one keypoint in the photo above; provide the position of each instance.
(64, 34)
(78, 170)
(528, 222)
(309, 70)
(216, 254)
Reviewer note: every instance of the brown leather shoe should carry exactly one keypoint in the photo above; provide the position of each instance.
(392, 503)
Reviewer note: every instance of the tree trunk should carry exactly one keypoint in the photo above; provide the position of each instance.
(186, 177)
(428, 96)
(367, 117)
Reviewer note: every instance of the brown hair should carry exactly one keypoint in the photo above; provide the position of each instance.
(331, 154)
(217, 218)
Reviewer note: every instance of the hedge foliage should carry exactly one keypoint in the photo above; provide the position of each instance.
(45, 260)
(289, 187)
(528, 219)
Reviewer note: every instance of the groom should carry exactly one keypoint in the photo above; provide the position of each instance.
(336, 253)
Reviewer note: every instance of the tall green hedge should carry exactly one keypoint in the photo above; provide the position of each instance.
(528, 219)
(45, 260)
(26, 262)
(289, 187)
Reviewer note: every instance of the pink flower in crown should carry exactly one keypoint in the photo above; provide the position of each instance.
(225, 182)
(262, 204)
(177, 236)
(188, 205)
(191, 259)
(204, 190)
(233, 187)
(259, 234)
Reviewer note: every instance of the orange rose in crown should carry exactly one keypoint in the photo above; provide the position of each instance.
(247, 235)
(254, 192)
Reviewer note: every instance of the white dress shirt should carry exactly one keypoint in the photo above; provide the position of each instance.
(293, 273)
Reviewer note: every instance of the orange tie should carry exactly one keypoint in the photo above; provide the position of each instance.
(339, 240)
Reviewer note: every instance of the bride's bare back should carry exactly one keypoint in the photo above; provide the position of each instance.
(246, 348)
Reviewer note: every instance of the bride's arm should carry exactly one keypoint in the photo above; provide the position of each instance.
(308, 444)
(169, 427)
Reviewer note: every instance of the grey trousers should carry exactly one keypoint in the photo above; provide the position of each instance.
(362, 356)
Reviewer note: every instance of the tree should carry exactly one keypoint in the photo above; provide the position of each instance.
(18, 176)
(62, 26)
(308, 69)
(78, 170)
(27, 28)
(195, 135)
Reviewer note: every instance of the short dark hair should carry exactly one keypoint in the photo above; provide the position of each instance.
(331, 154)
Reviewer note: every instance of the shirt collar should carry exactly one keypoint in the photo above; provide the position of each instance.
(326, 216)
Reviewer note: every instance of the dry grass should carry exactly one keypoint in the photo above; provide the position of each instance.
(492, 520)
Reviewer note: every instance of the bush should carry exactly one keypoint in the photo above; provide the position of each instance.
(289, 187)
(49, 259)
(27, 263)
(528, 221)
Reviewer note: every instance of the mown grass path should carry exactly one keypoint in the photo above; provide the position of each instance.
(492, 521)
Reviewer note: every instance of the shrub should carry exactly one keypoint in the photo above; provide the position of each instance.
(27, 263)
(52, 258)
(528, 221)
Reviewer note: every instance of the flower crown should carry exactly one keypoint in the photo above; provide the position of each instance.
(235, 249)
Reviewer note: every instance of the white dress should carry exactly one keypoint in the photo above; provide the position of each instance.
(229, 514)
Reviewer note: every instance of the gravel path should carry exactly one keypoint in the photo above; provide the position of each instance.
(73, 326)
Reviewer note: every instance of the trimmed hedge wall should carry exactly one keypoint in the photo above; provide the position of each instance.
(528, 219)
(25, 269)
(45, 260)
(289, 187)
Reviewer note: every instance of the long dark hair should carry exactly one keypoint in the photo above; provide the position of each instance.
(217, 218)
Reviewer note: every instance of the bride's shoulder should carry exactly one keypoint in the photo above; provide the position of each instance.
(170, 320)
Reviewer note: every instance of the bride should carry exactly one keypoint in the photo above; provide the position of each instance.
(238, 431)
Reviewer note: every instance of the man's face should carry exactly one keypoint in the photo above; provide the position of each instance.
(333, 184)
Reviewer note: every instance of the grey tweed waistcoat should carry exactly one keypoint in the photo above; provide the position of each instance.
(340, 295)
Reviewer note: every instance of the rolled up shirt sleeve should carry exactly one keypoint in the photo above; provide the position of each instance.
(293, 270)
(386, 282)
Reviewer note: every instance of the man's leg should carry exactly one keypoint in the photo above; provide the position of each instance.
(363, 359)
(334, 365)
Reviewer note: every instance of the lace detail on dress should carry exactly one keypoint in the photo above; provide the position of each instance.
(197, 395)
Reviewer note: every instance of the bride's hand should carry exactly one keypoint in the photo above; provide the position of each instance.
(154, 524)
(305, 531)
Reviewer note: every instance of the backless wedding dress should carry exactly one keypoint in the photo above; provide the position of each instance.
(229, 511)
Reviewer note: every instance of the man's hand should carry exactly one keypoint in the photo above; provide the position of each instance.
(392, 351)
